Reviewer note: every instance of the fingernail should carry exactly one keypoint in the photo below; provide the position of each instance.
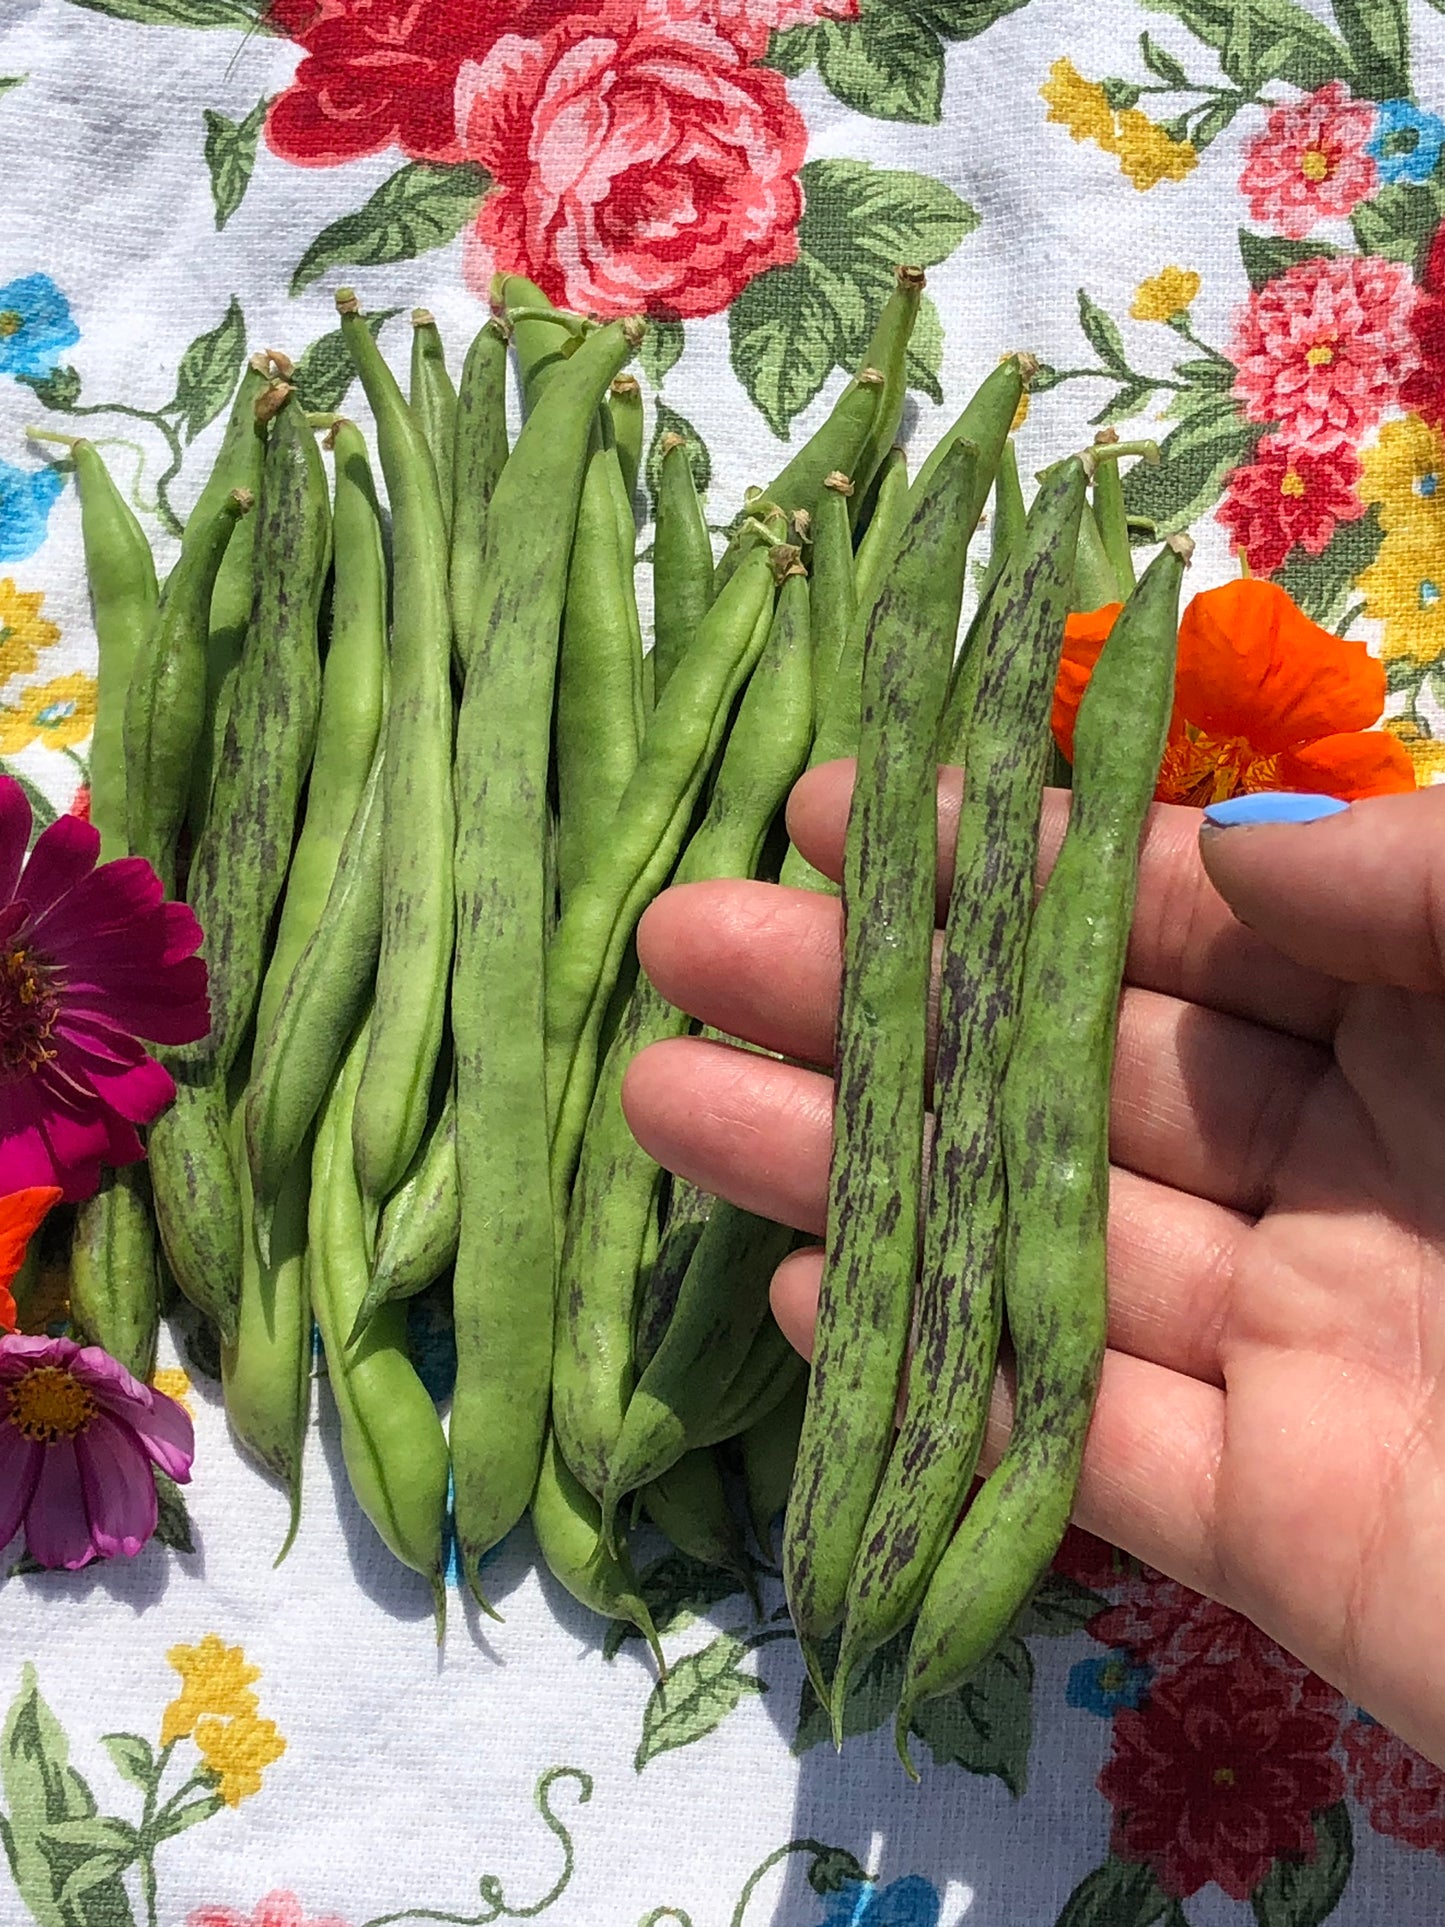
(1272, 806)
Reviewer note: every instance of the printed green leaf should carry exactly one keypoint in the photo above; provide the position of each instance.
(669, 422)
(1124, 404)
(1302, 1893)
(1400, 221)
(1266, 255)
(324, 374)
(59, 389)
(962, 19)
(886, 63)
(1194, 459)
(231, 155)
(1377, 33)
(675, 1587)
(695, 1698)
(791, 326)
(1102, 333)
(1161, 63)
(98, 1875)
(1260, 40)
(872, 1694)
(246, 14)
(987, 1724)
(133, 1758)
(1209, 126)
(7, 81)
(173, 1518)
(925, 352)
(179, 1819)
(1059, 1607)
(418, 208)
(833, 1869)
(209, 371)
(1120, 1894)
(1214, 377)
(1323, 584)
(661, 349)
(795, 49)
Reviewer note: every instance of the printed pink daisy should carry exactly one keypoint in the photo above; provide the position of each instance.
(1287, 497)
(1322, 349)
(90, 960)
(78, 1438)
(1309, 164)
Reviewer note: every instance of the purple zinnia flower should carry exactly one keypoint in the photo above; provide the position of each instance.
(78, 1438)
(90, 960)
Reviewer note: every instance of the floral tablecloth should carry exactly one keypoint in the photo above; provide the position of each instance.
(1217, 222)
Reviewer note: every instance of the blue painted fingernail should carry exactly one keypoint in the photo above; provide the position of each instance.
(1272, 806)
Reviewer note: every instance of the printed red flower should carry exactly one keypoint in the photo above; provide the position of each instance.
(1288, 497)
(1402, 1793)
(80, 803)
(639, 163)
(21, 1215)
(1094, 1563)
(276, 1910)
(1175, 1628)
(748, 23)
(90, 960)
(1423, 392)
(1309, 164)
(1323, 348)
(1220, 1772)
(1263, 699)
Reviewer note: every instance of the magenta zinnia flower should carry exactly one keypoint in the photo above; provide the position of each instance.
(78, 1438)
(90, 960)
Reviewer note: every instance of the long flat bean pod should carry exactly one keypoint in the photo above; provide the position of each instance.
(477, 461)
(833, 596)
(114, 1270)
(1055, 1120)
(681, 561)
(986, 420)
(875, 1179)
(197, 1197)
(545, 337)
(565, 1520)
(1009, 514)
(422, 1224)
(624, 405)
(419, 825)
(506, 1261)
(434, 402)
(957, 1322)
(885, 524)
(769, 1449)
(689, 1505)
(887, 351)
(688, 1210)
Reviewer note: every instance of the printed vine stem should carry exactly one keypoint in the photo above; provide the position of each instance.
(750, 1885)
(489, 1887)
(170, 521)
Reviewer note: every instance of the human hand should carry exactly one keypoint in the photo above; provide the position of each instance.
(1270, 1427)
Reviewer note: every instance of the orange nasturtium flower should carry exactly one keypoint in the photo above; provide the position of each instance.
(20, 1218)
(1264, 699)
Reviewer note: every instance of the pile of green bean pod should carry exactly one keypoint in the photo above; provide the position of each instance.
(400, 741)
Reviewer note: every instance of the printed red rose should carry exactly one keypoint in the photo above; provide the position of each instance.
(1309, 164)
(639, 163)
(1288, 497)
(1323, 348)
(1220, 1772)
(1423, 392)
(1401, 1792)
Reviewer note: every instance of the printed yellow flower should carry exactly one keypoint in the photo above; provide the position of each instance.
(1080, 105)
(1165, 294)
(1148, 155)
(215, 1680)
(1427, 753)
(58, 714)
(24, 632)
(238, 1752)
(176, 1384)
(1403, 472)
(1404, 587)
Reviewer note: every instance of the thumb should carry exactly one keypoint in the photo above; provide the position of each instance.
(1354, 890)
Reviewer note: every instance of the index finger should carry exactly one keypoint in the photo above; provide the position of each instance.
(1185, 942)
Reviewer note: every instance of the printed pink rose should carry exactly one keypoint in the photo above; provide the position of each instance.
(1286, 498)
(640, 164)
(276, 1910)
(1323, 348)
(748, 23)
(1309, 164)
(1402, 1793)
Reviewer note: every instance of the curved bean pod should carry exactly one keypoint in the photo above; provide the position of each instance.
(114, 1270)
(624, 405)
(887, 351)
(434, 403)
(770, 1452)
(422, 1223)
(565, 1520)
(689, 1506)
(477, 461)
(681, 561)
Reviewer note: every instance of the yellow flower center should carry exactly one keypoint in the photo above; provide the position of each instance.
(1292, 483)
(1314, 164)
(1321, 355)
(1203, 769)
(11, 323)
(28, 1010)
(1223, 1776)
(50, 1404)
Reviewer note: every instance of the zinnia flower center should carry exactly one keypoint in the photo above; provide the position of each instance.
(11, 322)
(1292, 483)
(1321, 355)
(1314, 164)
(28, 1010)
(50, 1404)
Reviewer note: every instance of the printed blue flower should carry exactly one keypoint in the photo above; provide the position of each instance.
(1105, 1684)
(1406, 143)
(910, 1902)
(27, 496)
(35, 324)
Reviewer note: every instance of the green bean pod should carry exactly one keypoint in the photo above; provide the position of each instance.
(506, 1261)
(624, 405)
(123, 596)
(957, 1318)
(165, 710)
(419, 824)
(544, 345)
(769, 1449)
(1095, 583)
(1009, 513)
(197, 1196)
(114, 1270)
(478, 459)
(681, 561)
(833, 592)
(875, 1178)
(958, 709)
(688, 1209)
(240, 863)
(565, 1520)
(889, 517)
(1109, 514)
(689, 1506)
(434, 403)
(1055, 1121)
(987, 420)
(599, 677)
(391, 1438)
(422, 1223)
(887, 351)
